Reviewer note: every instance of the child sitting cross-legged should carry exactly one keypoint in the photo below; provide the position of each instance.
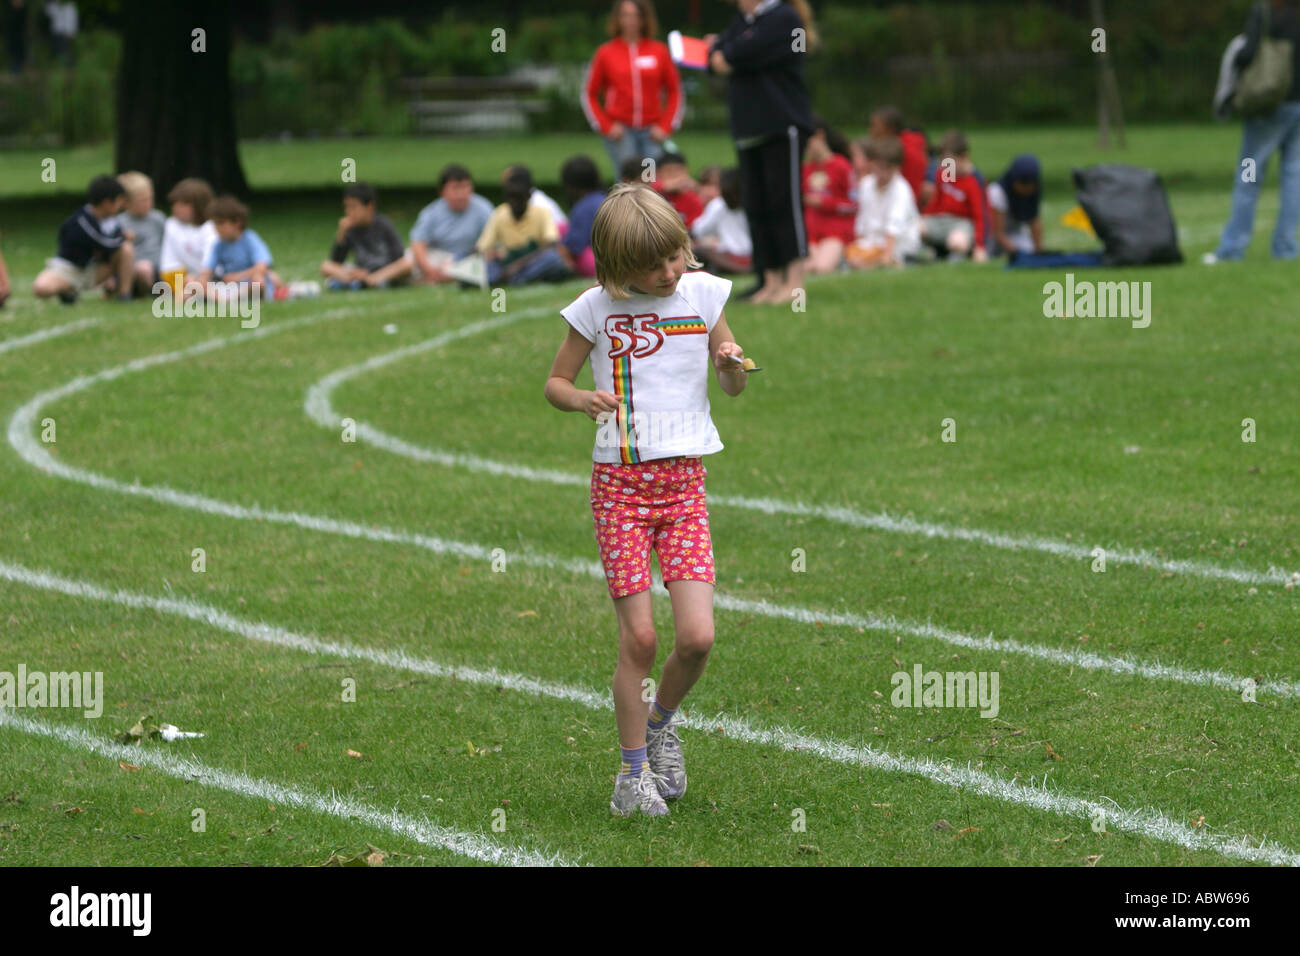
(381, 259)
(239, 256)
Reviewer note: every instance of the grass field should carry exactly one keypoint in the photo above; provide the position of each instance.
(481, 729)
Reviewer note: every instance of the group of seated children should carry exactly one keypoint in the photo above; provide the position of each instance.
(877, 203)
(460, 237)
(119, 242)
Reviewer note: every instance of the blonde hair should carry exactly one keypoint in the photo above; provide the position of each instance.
(635, 229)
(135, 183)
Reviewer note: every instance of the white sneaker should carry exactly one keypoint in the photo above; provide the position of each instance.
(663, 752)
(638, 793)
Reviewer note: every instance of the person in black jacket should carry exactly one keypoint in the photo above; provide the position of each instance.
(762, 51)
(1261, 137)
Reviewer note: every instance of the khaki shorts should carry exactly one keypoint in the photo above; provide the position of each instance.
(81, 279)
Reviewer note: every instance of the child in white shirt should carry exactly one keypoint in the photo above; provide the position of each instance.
(721, 233)
(188, 234)
(888, 227)
(651, 332)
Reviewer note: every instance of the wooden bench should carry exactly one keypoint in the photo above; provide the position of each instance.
(486, 104)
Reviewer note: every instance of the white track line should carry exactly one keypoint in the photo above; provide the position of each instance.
(473, 845)
(1147, 823)
(319, 408)
(21, 437)
(44, 335)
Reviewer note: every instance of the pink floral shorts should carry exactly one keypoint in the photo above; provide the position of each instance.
(659, 503)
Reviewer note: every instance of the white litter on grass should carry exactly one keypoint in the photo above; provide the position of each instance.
(390, 329)
(170, 732)
(473, 845)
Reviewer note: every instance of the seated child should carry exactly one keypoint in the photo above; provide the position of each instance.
(517, 235)
(540, 198)
(446, 229)
(1014, 208)
(92, 249)
(888, 227)
(188, 234)
(373, 242)
(709, 184)
(581, 181)
(829, 206)
(632, 170)
(146, 225)
(239, 255)
(722, 240)
(888, 122)
(674, 183)
(953, 221)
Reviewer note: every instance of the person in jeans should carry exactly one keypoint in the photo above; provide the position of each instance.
(1262, 136)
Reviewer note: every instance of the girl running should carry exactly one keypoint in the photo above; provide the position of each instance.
(651, 330)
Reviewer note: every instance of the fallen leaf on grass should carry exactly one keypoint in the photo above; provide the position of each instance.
(353, 753)
(370, 856)
(966, 830)
(1091, 860)
(128, 766)
(941, 825)
(1052, 753)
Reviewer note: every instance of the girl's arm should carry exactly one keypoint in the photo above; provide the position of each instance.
(560, 390)
(1036, 230)
(731, 377)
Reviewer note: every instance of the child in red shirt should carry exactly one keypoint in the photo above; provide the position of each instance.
(674, 183)
(953, 220)
(829, 206)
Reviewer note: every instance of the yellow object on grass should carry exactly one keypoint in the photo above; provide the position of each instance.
(1076, 218)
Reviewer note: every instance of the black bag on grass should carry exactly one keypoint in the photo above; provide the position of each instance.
(1129, 211)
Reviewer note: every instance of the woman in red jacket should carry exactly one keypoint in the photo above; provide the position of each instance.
(632, 94)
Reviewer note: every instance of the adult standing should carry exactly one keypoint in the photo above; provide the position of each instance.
(762, 51)
(1262, 136)
(632, 93)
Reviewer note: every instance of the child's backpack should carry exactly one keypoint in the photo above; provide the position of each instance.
(1129, 211)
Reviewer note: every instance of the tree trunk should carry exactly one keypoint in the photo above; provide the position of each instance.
(175, 117)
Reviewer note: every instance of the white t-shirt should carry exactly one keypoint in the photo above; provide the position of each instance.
(653, 354)
(539, 198)
(185, 246)
(729, 225)
(1020, 233)
(889, 213)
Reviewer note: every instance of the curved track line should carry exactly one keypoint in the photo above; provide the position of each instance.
(20, 433)
(472, 845)
(21, 428)
(43, 335)
(319, 408)
(1148, 823)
